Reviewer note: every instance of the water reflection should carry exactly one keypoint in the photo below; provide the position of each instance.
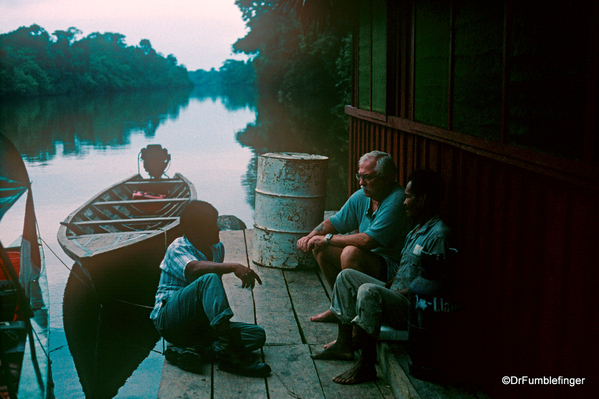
(108, 120)
(107, 341)
(310, 128)
(232, 100)
(77, 146)
(101, 120)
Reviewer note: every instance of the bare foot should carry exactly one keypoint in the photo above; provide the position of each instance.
(355, 341)
(327, 346)
(325, 317)
(335, 352)
(357, 374)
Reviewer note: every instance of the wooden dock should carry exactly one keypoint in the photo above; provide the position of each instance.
(283, 305)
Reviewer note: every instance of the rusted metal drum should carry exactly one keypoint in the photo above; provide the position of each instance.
(290, 200)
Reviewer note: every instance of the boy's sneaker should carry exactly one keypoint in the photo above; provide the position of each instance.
(188, 359)
(234, 358)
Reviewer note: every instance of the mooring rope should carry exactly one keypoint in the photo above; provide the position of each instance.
(86, 283)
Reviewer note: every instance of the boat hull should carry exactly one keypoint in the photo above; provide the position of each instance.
(120, 241)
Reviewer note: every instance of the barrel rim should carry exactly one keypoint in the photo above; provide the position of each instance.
(281, 232)
(278, 195)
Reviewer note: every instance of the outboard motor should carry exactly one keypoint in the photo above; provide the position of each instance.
(155, 159)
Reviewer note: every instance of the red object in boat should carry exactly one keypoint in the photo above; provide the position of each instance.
(148, 208)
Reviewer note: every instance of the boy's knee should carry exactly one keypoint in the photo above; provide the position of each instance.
(254, 337)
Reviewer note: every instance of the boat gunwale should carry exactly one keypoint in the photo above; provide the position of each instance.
(76, 252)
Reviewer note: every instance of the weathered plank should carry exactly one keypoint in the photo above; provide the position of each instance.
(235, 246)
(176, 383)
(383, 385)
(241, 300)
(400, 383)
(228, 386)
(273, 308)
(293, 372)
(309, 298)
(329, 369)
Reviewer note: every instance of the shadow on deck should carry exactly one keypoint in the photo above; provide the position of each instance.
(283, 305)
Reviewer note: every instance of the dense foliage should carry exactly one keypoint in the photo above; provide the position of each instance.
(33, 62)
(302, 60)
(302, 49)
(231, 75)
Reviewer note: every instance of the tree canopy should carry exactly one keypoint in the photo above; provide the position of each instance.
(33, 62)
(301, 48)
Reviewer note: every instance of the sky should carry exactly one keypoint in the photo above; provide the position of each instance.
(199, 33)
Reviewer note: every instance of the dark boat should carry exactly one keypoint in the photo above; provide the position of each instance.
(108, 342)
(24, 318)
(120, 235)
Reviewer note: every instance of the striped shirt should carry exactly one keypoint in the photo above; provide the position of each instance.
(172, 278)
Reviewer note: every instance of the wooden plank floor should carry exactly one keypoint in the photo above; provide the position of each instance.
(282, 305)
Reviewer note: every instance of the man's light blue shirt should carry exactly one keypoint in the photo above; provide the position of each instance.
(388, 225)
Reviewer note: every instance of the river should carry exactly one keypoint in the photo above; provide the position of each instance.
(76, 146)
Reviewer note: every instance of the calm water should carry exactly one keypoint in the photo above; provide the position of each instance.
(74, 147)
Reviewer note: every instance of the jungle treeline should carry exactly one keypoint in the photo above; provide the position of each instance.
(300, 51)
(302, 48)
(33, 62)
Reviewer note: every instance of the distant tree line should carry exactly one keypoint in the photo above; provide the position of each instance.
(231, 75)
(33, 62)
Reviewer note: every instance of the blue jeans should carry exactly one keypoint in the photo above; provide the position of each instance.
(189, 317)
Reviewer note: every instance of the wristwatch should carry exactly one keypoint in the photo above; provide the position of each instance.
(328, 238)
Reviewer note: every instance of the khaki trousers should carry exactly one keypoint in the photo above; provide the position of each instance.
(364, 301)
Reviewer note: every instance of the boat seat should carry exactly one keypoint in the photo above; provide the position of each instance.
(150, 182)
(121, 221)
(144, 201)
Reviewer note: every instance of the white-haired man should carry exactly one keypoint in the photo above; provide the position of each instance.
(375, 215)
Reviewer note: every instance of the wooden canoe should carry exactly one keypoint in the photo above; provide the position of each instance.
(120, 240)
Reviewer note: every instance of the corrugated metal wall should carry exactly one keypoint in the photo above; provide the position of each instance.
(529, 246)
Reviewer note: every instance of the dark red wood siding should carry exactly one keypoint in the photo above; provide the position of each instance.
(529, 246)
(524, 208)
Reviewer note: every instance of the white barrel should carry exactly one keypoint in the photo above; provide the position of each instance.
(290, 200)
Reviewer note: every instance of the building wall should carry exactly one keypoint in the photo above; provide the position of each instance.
(528, 246)
(504, 105)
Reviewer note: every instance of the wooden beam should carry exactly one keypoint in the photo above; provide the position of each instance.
(144, 201)
(120, 221)
(142, 182)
